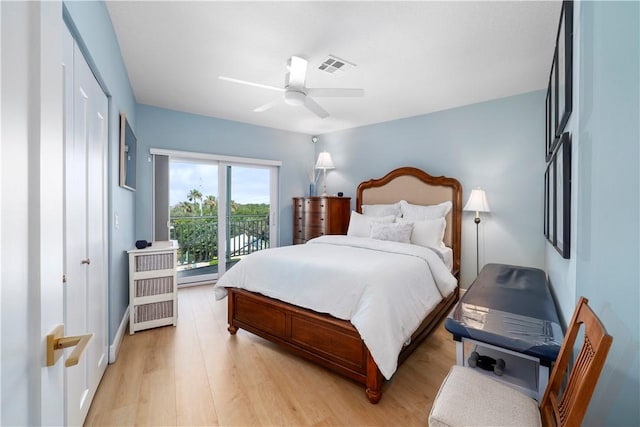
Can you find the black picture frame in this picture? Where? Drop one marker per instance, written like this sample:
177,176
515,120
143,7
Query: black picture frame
559,99
563,61
549,205
547,134
551,112
547,198
557,203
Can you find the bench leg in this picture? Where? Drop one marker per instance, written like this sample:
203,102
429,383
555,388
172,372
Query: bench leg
460,353
543,380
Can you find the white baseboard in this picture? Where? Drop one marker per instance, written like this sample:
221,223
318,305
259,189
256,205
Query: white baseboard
115,347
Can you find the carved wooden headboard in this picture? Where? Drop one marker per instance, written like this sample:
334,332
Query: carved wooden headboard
419,188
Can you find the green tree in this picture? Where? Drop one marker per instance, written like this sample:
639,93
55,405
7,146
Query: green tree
234,207
195,196
198,236
211,203
181,209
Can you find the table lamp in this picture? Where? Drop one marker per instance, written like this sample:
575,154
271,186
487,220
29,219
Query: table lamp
324,162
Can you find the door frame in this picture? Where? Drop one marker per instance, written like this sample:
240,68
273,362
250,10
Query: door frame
50,201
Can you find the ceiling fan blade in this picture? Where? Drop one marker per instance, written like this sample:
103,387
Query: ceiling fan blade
268,105
297,72
244,82
335,92
315,108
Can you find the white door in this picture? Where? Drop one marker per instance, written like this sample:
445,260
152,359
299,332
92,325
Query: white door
86,109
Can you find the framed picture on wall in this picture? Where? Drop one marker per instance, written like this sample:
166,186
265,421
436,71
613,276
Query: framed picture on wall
552,110
547,132
557,203
546,202
549,203
128,154
558,102
563,59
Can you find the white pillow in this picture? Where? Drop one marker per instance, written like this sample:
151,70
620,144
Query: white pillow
382,210
392,232
360,225
418,212
429,233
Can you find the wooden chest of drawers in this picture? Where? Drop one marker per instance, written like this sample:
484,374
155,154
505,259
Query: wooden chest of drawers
317,216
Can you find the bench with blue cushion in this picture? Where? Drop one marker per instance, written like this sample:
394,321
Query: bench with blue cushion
509,307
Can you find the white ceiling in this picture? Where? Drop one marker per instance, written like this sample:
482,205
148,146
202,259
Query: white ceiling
412,58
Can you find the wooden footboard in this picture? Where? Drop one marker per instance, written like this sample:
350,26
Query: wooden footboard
323,339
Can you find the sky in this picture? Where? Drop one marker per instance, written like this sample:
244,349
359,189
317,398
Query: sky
248,185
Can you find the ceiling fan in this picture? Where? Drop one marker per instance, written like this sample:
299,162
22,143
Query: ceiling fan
295,92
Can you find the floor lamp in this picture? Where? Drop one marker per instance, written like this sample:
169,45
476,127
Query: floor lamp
477,202
324,162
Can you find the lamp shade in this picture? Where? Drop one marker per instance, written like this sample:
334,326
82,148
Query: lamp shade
324,161
477,202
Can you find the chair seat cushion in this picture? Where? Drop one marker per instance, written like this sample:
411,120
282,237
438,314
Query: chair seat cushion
470,398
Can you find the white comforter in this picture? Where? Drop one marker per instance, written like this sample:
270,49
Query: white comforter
384,288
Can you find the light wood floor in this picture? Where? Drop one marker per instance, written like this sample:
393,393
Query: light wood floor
198,374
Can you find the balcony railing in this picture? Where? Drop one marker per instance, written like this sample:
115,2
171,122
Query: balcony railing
198,237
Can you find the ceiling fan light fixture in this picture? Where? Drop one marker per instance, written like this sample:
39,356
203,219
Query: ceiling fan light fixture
296,93
294,98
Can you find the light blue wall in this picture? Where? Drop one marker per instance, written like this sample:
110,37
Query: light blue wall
95,32
161,128
496,145
606,136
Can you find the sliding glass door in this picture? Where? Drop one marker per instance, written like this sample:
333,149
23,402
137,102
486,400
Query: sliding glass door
220,210
193,218
247,212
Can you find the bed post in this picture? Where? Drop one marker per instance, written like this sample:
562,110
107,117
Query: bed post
231,311
374,380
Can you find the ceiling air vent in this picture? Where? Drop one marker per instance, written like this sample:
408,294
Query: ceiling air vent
335,66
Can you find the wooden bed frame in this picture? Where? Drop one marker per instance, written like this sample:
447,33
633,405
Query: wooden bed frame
335,343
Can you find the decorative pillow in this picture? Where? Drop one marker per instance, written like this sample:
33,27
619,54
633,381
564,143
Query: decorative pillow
382,210
360,225
392,232
418,212
429,233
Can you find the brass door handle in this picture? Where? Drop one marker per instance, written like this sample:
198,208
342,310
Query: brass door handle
56,341
85,261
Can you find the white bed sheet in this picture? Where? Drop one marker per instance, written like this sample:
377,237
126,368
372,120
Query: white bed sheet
384,288
447,255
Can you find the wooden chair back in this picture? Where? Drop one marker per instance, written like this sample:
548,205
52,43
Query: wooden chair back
567,406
